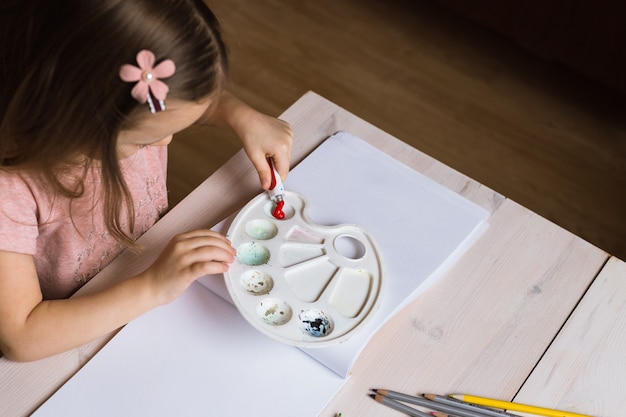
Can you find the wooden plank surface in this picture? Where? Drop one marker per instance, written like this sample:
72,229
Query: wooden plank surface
585,368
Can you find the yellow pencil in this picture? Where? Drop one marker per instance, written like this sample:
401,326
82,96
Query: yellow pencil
505,405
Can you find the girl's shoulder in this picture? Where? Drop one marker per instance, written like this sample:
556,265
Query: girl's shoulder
22,192
19,211
26,195
23,183
15,182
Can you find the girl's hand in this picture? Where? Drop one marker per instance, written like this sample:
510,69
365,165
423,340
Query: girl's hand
262,136
26,320
187,257
267,137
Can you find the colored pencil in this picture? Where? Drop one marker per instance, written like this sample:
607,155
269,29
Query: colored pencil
432,405
490,412
505,405
396,405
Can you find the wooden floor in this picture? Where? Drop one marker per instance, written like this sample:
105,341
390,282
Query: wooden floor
544,136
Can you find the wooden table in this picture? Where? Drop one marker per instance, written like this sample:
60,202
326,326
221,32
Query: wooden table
531,313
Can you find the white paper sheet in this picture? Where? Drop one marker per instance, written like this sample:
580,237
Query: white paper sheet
198,356
420,226
194,357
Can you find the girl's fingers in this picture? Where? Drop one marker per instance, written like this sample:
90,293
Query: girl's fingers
203,254
208,268
259,161
201,233
203,246
282,166
199,238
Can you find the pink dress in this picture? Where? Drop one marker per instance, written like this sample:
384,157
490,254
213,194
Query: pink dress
68,238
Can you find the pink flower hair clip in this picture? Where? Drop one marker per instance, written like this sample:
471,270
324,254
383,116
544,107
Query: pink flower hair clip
149,87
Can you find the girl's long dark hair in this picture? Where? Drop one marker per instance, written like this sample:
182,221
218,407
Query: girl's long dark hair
61,94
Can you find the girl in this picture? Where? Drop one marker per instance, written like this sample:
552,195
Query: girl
91,90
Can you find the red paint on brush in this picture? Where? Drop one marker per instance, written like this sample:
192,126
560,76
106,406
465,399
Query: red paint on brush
278,210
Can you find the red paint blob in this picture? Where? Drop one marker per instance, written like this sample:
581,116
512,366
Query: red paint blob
278,210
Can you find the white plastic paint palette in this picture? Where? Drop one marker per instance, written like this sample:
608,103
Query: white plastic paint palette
300,283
